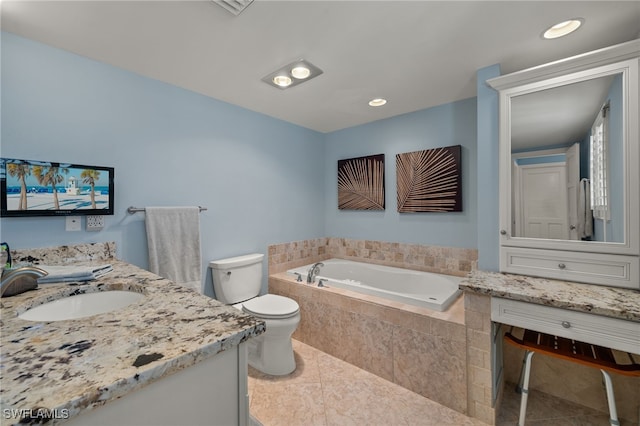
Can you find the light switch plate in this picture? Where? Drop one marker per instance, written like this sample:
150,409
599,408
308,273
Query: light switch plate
73,223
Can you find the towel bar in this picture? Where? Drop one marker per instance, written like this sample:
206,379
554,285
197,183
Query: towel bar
132,210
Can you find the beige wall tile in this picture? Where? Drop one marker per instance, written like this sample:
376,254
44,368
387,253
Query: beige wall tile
450,260
427,364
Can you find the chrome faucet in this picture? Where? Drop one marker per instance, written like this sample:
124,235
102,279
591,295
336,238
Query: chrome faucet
19,280
313,271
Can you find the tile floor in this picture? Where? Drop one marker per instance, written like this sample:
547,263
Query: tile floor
327,391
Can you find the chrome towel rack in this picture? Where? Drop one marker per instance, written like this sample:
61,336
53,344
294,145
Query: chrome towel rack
132,210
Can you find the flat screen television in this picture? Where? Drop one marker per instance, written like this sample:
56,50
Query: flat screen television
42,188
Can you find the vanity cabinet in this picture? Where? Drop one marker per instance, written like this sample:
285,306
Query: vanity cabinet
581,326
569,180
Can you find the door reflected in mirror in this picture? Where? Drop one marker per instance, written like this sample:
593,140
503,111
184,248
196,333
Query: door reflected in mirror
567,148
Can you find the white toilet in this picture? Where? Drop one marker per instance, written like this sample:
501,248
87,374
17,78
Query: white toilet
237,282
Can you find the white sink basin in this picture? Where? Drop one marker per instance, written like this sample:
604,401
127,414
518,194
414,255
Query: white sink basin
81,305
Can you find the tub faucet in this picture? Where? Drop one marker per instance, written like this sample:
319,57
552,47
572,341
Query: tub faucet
19,280
311,275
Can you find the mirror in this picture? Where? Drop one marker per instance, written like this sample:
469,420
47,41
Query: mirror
567,145
569,154
568,168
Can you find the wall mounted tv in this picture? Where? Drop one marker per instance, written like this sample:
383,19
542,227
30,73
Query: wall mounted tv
41,188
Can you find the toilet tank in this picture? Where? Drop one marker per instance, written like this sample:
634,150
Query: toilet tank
237,279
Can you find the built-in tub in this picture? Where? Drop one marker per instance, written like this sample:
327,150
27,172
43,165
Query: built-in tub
424,289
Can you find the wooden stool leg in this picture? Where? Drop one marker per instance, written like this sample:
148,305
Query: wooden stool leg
525,386
613,413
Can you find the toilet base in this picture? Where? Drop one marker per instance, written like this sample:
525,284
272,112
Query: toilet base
272,352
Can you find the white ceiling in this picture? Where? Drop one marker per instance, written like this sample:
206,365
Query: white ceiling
558,116
417,54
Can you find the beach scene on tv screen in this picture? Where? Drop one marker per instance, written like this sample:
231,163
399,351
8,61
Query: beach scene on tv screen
45,186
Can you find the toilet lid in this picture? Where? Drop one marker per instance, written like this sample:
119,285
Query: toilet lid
271,306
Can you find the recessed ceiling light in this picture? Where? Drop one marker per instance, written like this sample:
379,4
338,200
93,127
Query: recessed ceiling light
301,72
282,80
563,28
377,102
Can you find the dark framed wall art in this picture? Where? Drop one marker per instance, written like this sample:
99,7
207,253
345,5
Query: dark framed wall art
430,180
361,183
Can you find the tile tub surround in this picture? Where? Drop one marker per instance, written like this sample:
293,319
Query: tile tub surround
80,364
563,379
417,348
441,260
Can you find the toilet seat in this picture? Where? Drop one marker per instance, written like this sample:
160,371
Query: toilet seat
271,306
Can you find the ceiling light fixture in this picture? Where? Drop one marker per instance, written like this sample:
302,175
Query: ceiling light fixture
301,72
563,28
292,74
282,80
377,102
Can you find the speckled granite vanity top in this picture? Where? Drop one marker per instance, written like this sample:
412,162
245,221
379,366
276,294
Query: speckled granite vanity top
71,365
600,300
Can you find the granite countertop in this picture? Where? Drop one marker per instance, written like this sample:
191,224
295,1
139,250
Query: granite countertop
600,300
69,366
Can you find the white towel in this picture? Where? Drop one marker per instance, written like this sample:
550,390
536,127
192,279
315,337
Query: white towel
173,237
61,274
585,216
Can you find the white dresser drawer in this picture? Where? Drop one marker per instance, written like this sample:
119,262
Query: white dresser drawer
596,329
603,269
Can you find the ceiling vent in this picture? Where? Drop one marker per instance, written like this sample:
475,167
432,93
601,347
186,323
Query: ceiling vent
233,6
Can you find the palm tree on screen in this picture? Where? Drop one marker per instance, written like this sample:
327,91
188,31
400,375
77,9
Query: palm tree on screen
90,176
50,176
21,171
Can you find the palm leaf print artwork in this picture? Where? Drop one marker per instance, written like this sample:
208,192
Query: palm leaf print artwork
361,183
430,180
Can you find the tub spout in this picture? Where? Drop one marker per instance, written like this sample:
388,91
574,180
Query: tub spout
313,271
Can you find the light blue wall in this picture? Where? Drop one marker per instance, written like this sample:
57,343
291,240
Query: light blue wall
488,178
169,146
558,158
444,125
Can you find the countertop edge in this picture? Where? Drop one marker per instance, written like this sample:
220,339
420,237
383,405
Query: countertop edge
146,377
598,300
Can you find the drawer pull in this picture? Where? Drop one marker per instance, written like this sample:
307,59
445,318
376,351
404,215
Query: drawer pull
503,232
561,265
566,324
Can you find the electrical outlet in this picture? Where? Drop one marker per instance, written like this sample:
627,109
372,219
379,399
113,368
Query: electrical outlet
73,223
95,223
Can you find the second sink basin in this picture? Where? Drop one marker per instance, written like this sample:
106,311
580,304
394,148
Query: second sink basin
81,305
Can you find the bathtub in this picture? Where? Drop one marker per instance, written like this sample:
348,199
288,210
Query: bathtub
424,289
